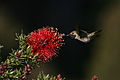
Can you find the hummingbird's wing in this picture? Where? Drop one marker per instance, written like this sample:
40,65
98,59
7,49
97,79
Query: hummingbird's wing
80,32
83,33
89,36
78,29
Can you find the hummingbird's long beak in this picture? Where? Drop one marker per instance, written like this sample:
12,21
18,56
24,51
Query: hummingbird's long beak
68,35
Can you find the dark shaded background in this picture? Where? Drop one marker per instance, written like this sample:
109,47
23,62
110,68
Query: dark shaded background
76,60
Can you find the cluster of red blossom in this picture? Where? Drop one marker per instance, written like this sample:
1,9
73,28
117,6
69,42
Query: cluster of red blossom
94,77
58,77
2,69
26,71
45,42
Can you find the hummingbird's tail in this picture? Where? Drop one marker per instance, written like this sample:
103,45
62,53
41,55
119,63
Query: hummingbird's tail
94,33
98,31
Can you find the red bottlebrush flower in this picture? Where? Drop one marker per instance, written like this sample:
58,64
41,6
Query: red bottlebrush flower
45,42
94,77
26,70
2,69
18,55
58,76
52,79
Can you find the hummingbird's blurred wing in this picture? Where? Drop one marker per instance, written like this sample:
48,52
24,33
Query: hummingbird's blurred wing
77,29
80,32
83,33
89,36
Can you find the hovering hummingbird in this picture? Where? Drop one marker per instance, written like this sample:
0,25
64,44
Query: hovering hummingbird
0,48
82,35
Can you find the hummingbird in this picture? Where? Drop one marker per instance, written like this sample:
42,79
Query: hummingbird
0,48
83,35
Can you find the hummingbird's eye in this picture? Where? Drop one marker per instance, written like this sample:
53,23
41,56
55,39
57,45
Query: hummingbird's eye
72,33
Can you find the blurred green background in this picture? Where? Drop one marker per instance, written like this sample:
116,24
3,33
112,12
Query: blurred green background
76,60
